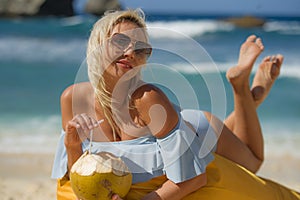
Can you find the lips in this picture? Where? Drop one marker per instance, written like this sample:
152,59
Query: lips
123,63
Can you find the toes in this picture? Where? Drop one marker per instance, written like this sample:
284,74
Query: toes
259,43
275,69
251,38
267,59
256,40
279,58
274,59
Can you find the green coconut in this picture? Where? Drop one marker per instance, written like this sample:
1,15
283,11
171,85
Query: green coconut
99,176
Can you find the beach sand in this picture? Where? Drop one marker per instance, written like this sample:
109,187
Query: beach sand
27,176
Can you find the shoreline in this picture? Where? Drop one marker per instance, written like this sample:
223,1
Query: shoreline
25,176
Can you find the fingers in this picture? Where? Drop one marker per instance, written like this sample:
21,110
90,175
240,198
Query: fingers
81,125
78,129
115,197
84,122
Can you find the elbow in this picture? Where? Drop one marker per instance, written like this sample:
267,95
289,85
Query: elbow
198,182
257,165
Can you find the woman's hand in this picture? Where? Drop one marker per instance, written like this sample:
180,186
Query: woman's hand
78,129
116,197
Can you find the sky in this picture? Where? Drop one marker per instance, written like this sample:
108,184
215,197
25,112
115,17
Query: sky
228,7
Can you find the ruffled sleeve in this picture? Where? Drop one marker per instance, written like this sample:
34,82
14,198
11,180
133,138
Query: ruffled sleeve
184,154
181,155
60,165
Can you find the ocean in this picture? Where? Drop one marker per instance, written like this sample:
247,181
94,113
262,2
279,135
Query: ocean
40,57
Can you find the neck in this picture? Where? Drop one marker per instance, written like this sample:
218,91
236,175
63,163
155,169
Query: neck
118,89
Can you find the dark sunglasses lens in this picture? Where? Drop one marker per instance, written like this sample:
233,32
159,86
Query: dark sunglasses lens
120,40
142,48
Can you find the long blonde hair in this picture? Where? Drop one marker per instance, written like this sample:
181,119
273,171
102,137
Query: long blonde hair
95,54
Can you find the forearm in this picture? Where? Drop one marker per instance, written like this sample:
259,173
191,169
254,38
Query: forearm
73,154
170,190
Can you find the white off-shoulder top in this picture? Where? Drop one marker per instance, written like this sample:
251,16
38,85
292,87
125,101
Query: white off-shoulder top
181,155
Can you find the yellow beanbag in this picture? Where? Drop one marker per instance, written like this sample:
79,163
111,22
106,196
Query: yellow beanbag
226,180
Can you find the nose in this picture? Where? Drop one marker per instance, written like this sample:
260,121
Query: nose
129,51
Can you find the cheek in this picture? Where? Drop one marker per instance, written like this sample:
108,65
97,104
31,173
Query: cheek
110,55
112,52
141,60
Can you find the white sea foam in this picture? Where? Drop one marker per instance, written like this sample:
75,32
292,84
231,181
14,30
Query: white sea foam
28,49
187,27
283,27
289,70
199,27
30,134
72,21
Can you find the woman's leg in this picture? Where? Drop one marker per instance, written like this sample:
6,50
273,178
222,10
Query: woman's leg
242,126
267,73
241,138
265,76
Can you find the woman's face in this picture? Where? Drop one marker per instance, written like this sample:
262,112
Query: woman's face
128,49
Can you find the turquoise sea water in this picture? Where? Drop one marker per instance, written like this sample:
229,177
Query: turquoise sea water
39,57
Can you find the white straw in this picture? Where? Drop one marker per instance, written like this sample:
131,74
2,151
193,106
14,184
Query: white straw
91,139
91,136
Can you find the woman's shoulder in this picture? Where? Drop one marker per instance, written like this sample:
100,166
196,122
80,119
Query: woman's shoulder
76,90
155,109
148,92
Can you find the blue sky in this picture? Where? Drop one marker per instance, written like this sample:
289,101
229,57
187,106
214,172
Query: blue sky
260,7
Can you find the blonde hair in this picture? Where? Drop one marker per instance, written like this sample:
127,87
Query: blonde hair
95,56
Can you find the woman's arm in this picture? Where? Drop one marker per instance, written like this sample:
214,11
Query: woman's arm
75,127
173,191
155,110
72,140
159,115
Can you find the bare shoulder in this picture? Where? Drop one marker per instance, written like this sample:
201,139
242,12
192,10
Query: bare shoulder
74,94
155,109
83,89
149,94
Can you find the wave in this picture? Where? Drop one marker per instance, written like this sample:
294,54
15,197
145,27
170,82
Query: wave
35,49
289,70
29,134
194,28
283,27
187,27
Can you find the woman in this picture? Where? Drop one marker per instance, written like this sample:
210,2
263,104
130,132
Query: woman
136,113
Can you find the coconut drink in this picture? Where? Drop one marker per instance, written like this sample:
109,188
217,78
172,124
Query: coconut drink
99,176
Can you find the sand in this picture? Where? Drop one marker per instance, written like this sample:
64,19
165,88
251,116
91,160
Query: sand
27,176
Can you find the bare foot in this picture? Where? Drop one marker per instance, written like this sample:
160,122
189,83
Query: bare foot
265,76
239,75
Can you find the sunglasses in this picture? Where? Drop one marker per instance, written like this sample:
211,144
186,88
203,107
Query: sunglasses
122,41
